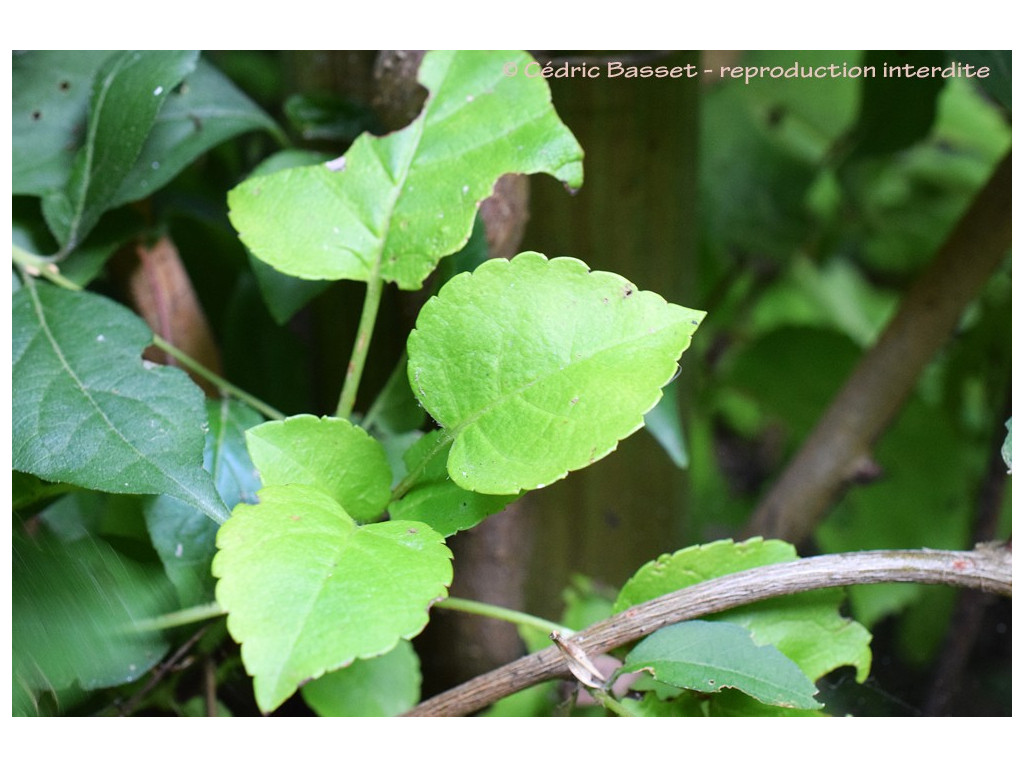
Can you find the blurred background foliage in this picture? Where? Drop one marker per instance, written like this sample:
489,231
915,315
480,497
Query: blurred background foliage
794,211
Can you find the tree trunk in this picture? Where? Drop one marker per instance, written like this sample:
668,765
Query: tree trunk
635,215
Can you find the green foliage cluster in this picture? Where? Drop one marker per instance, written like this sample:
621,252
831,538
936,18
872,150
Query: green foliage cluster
141,507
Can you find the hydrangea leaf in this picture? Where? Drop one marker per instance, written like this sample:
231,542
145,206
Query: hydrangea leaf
806,627
396,204
384,686
89,411
708,656
435,499
535,368
329,454
307,590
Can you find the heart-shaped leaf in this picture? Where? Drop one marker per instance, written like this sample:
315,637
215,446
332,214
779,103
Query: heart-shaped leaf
89,411
536,367
307,590
328,454
398,203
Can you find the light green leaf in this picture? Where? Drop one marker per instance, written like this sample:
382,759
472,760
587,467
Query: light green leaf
308,591
328,454
436,500
76,606
708,656
535,368
87,410
399,203
128,91
383,686
185,541
806,627
284,294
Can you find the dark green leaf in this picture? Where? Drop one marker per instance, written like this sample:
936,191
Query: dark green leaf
708,656
77,606
87,409
50,105
329,117
807,628
999,79
205,110
665,425
128,92
185,541
896,111
395,411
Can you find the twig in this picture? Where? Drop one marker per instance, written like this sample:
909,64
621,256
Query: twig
161,672
987,568
887,374
219,381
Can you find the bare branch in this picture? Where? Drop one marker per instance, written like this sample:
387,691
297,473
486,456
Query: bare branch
987,567
887,374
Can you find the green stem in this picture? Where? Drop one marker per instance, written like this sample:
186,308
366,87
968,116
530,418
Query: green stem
609,702
39,266
371,304
413,477
503,614
181,618
226,386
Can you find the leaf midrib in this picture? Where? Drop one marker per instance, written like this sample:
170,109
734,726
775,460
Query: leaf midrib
40,313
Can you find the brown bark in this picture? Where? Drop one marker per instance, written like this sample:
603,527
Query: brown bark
634,215
887,374
490,559
160,290
987,568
